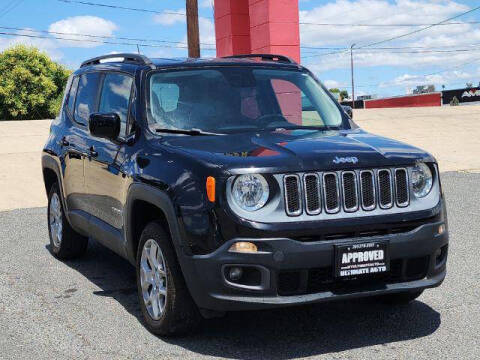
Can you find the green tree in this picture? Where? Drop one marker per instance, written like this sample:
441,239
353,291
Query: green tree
31,84
341,94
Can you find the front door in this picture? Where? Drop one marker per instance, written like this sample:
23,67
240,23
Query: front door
105,181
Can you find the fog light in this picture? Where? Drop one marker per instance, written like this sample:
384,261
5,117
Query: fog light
243,247
235,273
441,229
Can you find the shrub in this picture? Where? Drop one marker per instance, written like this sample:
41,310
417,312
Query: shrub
31,84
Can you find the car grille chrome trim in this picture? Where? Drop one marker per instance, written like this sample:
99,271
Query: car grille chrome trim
385,188
402,187
350,192
313,194
367,190
346,191
331,193
293,195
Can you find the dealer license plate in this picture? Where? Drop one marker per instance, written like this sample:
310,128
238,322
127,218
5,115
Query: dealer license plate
361,259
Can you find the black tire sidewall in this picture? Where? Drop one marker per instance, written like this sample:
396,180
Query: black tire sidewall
54,190
179,313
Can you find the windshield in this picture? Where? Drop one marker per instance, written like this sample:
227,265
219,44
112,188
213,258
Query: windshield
229,100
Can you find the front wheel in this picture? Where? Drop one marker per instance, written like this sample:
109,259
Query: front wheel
166,303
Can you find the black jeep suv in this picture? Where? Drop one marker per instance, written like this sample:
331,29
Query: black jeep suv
237,183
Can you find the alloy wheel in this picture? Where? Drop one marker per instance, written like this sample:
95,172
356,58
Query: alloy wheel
55,220
153,279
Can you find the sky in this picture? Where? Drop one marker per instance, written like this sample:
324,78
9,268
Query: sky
446,55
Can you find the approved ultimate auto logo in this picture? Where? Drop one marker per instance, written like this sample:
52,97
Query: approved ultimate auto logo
344,160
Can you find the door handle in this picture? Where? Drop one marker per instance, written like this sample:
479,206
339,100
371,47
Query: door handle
64,142
93,153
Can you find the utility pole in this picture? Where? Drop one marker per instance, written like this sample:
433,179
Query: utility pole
353,84
193,33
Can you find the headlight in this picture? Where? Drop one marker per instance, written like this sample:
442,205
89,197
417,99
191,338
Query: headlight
250,191
421,180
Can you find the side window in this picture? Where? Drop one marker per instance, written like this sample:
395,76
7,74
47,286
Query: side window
71,94
85,103
115,97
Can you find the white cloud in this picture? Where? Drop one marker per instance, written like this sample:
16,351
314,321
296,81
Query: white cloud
169,18
372,12
206,3
46,45
207,31
384,12
331,84
454,77
91,25
206,28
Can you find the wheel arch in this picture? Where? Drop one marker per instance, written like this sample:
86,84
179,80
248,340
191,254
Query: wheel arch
51,174
144,204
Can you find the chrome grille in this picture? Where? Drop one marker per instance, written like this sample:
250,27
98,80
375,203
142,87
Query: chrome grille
293,205
330,193
401,187
349,187
311,187
367,189
347,191
385,193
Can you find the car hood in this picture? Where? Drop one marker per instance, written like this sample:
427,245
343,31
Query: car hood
297,150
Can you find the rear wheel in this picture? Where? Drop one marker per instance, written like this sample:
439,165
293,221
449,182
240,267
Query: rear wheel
65,242
167,307
400,298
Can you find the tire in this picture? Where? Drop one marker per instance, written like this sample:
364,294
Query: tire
176,312
65,243
400,298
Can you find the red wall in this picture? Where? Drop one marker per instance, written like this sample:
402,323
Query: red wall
433,99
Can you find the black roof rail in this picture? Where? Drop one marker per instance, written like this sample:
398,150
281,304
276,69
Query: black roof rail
127,58
271,57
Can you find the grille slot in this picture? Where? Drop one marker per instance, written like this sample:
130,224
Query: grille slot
346,191
401,187
311,187
331,193
293,203
350,195
385,193
367,189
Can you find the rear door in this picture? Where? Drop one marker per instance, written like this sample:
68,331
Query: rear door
104,178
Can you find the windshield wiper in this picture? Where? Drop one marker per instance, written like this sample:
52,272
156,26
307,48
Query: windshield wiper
300,127
192,132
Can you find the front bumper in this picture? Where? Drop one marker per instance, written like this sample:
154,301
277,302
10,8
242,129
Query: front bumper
295,272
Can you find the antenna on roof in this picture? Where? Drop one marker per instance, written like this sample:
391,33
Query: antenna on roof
138,49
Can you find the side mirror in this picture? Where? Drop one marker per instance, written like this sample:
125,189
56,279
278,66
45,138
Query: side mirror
348,110
105,126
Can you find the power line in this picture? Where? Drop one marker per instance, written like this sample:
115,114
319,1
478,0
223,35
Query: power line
122,7
92,41
406,34
389,25
425,75
97,36
422,29
9,7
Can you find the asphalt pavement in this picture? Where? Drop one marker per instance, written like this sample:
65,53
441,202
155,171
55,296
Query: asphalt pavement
88,308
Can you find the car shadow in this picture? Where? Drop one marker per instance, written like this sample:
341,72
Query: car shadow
281,333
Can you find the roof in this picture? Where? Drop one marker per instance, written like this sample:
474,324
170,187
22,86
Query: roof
193,62
130,62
